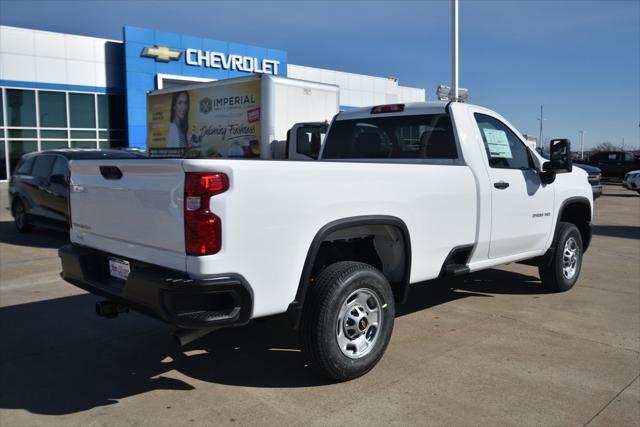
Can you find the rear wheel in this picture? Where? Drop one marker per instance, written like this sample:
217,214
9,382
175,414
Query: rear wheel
348,320
20,217
560,271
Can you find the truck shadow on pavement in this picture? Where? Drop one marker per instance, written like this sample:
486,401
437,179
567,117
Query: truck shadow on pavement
624,231
38,238
59,358
621,195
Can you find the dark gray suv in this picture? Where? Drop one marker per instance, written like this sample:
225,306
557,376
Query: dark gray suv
39,186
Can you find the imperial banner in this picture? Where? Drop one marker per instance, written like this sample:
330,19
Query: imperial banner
215,121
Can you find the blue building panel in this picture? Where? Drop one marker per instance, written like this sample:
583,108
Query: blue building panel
215,45
137,136
140,35
190,42
167,39
134,49
141,72
138,116
191,70
172,67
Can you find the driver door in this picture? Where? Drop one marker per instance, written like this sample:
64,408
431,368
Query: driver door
521,205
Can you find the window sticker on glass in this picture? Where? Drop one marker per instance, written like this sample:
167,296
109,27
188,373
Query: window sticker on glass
498,143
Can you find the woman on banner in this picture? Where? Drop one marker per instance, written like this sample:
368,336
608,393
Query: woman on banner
177,137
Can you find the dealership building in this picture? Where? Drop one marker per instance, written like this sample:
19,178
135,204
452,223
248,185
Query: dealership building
65,90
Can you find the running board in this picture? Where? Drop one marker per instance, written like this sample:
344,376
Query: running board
456,262
456,270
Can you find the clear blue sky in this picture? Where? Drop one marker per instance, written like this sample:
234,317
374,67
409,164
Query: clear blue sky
580,59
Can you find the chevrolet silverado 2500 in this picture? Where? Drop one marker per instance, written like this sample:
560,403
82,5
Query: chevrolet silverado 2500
401,194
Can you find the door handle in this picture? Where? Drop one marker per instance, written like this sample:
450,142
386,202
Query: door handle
501,185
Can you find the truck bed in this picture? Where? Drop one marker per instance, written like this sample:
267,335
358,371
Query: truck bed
270,214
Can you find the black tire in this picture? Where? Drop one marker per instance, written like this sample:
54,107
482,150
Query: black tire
20,217
321,322
556,268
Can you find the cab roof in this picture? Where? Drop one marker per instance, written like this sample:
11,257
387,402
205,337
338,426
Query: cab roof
410,108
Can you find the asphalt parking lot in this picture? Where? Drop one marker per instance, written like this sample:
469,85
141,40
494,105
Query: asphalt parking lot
492,348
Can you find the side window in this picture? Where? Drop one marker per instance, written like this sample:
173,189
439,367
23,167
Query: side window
60,166
628,157
42,166
25,165
504,148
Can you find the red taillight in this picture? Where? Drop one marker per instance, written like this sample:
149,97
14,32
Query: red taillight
202,228
390,108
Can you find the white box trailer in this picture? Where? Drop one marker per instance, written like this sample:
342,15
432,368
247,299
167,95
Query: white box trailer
236,118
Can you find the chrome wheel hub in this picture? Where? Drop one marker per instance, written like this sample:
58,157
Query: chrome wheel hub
359,321
570,255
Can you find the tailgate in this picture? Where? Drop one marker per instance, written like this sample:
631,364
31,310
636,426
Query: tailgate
138,215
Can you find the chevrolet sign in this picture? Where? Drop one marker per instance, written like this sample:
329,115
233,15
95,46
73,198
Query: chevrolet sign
162,53
223,61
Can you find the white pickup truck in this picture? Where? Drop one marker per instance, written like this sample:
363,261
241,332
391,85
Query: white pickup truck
401,194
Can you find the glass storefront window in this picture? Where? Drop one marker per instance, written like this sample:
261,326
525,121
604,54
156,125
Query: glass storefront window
53,134
83,144
83,134
53,109
111,134
52,145
17,149
110,112
54,119
82,110
22,133
21,108
3,161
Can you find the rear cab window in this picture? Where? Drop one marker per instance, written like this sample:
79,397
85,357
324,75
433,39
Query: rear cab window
424,136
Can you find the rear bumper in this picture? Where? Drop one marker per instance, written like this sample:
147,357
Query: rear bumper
169,295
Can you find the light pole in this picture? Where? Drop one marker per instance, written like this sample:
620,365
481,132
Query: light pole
454,49
581,145
541,118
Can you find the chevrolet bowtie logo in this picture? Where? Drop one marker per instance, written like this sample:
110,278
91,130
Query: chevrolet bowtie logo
162,53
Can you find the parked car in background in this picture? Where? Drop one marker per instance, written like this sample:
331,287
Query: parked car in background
631,181
594,174
39,187
614,164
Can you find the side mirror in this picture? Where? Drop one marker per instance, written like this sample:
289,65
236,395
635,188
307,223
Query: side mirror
560,155
548,174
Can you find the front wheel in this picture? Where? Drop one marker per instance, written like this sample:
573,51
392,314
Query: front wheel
348,320
560,271
20,217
